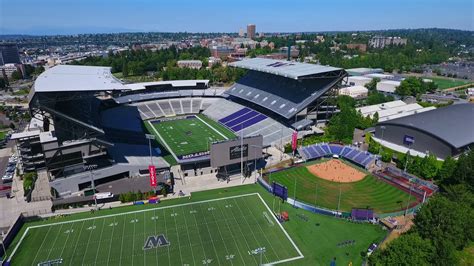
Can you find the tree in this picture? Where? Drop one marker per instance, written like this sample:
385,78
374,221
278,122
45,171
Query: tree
16,75
447,169
372,85
3,84
409,249
464,173
125,69
429,167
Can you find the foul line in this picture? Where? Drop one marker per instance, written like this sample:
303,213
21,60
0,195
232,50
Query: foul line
125,213
218,132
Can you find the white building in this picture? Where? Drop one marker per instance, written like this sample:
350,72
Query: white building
8,69
392,110
358,80
388,86
196,64
381,41
356,92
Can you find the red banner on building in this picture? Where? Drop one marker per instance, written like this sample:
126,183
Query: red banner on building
152,170
294,140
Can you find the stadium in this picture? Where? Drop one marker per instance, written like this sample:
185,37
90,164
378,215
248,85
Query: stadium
91,118
96,129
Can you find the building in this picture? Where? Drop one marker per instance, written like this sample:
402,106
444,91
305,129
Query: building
362,47
241,33
392,110
381,41
7,70
221,51
251,30
356,92
214,61
9,54
358,80
194,64
361,71
387,86
446,131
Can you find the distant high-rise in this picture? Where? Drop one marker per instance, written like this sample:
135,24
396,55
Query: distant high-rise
251,29
241,33
9,54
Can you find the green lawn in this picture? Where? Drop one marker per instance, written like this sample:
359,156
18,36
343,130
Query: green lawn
369,192
234,225
446,83
3,134
190,135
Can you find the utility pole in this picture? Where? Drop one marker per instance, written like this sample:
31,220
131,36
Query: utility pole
339,201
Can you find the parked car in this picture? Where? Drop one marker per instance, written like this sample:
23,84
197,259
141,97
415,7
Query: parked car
8,177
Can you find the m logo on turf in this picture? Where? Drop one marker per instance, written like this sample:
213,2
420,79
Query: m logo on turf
156,242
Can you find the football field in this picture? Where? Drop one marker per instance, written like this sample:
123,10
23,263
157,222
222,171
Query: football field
225,231
189,135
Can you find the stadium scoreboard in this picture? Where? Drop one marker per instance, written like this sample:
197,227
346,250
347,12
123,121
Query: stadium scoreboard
230,152
280,190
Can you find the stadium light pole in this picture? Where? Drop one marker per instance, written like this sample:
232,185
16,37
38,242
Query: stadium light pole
383,129
241,155
150,137
339,201
89,168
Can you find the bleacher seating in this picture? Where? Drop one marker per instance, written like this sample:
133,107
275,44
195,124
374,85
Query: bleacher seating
241,119
362,158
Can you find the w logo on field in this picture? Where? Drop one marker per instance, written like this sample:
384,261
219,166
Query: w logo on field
156,242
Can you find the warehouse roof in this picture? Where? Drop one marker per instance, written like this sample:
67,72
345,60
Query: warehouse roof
453,124
65,78
288,69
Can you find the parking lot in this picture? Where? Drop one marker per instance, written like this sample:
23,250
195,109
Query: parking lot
6,164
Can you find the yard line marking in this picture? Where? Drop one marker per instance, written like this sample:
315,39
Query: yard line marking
166,233
121,214
123,236
54,242
156,250
243,236
200,238
65,243
133,238
177,234
246,221
286,234
78,238
254,216
111,241
88,240
212,241
220,234
189,238
42,243
144,233
98,244
218,132
235,241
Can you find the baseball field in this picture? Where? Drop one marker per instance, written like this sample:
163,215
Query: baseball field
341,185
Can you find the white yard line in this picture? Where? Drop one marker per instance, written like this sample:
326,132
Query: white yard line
220,234
189,238
235,241
42,243
111,241
200,239
154,209
77,240
54,243
287,235
217,131
212,240
121,244
177,234
88,240
100,239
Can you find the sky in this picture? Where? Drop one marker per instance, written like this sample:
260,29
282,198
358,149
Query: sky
39,17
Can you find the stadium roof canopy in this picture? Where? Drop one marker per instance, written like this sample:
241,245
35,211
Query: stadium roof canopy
453,124
287,69
69,78
172,83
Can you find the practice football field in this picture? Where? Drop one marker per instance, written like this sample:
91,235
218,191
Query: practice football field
368,192
224,231
190,135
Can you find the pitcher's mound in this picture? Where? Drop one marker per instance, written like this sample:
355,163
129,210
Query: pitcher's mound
336,171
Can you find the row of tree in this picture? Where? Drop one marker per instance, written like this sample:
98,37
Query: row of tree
443,227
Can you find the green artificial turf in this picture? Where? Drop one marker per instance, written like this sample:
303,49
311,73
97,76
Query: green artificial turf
317,236
446,83
190,135
369,192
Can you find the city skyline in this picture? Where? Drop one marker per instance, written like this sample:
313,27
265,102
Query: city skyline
55,17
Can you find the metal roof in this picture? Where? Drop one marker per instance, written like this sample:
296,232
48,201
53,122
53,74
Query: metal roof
65,78
288,69
173,83
453,124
